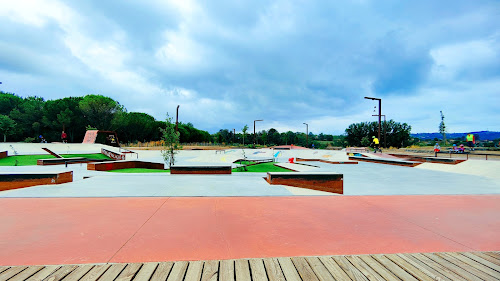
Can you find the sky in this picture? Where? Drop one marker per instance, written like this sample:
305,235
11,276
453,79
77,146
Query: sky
228,63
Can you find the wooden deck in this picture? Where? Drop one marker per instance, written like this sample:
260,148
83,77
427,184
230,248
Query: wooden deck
423,266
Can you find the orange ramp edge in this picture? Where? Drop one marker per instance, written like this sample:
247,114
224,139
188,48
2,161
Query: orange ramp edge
98,230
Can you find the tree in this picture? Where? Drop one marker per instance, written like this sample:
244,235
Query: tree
100,110
171,142
442,127
6,126
244,130
398,135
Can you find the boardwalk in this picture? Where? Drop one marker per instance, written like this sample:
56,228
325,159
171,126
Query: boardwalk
420,266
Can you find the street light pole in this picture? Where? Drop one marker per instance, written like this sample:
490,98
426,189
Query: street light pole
177,120
307,134
379,113
254,135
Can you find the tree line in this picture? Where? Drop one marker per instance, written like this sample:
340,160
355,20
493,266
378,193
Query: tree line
25,119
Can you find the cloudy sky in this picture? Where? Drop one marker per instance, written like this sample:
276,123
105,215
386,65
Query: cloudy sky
227,63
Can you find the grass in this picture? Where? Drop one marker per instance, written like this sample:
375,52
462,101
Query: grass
139,170
263,168
30,160
245,162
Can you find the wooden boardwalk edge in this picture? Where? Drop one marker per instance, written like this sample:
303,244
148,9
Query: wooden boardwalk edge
427,266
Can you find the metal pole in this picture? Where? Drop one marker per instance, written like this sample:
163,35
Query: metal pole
234,134
379,116
177,120
254,135
307,134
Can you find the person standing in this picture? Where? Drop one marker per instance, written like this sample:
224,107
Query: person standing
376,144
64,137
471,141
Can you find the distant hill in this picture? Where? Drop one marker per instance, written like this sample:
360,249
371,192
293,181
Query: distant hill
482,135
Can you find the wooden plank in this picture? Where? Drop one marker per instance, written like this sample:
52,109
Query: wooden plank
25,274
423,267
226,270
439,267
162,271
304,269
465,266
289,270
61,273
146,271
129,272
478,265
415,271
210,271
4,268
194,270
352,271
9,273
112,272
178,271
96,272
42,274
484,259
79,272
377,267
319,269
273,270
257,269
367,271
334,269
495,255
450,266
394,268
242,270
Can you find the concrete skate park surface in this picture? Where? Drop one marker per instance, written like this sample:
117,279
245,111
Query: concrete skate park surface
469,177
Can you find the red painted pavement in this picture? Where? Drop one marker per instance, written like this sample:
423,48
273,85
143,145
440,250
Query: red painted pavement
98,230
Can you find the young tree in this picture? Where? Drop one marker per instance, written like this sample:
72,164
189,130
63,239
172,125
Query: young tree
244,130
171,142
442,127
6,126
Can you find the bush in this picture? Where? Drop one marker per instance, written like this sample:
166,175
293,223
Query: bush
29,140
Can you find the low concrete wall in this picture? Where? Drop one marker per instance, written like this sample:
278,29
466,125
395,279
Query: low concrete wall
201,170
116,165
386,161
20,180
325,161
430,159
72,160
322,181
3,154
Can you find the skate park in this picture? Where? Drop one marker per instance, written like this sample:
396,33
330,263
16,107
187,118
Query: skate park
386,213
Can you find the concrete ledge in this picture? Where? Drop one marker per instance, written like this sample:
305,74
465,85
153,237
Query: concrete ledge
112,155
116,165
201,170
386,161
325,161
3,154
72,160
430,159
20,180
322,181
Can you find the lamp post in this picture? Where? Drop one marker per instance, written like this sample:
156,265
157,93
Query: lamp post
254,135
307,134
379,112
234,134
177,120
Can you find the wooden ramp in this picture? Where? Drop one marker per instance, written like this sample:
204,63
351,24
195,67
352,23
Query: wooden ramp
420,266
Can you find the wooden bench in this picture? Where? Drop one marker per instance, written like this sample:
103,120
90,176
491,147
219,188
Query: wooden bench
116,165
322,181
20,180
387,161
201,169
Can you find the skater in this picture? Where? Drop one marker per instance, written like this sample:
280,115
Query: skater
64,137
471,141
376,145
